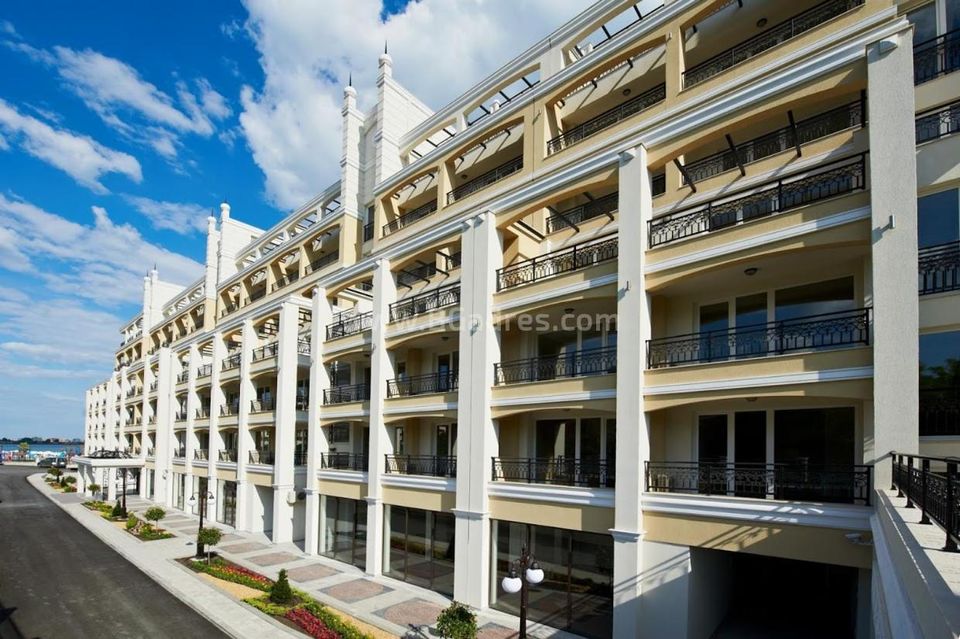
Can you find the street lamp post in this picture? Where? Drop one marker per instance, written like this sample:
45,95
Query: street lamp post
206,498
512,583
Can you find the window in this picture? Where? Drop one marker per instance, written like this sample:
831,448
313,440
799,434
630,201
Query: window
938,218
924,21
338,433
345,531
421,547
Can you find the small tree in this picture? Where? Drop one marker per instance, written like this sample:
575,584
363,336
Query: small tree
132,521
55,473
93,488
24,449
280,591
207,537
457,622
118,511
155,514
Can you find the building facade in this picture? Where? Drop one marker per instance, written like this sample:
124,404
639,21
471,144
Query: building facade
447,356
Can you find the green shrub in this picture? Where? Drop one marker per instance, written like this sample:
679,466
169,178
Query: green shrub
93,488
457,622
155,514
149,533
55,472
132,521
118,511
70,480
280,592
69,489
263,604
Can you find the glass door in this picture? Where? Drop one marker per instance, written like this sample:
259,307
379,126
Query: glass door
712,454
230,503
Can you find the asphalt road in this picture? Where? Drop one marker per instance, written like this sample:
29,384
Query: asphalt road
59,580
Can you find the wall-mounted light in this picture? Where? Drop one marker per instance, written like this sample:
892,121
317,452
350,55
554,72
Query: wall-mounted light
627,91
761,23
750,272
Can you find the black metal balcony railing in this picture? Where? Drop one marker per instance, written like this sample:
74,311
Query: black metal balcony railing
940,411
180,416
303,403
258,294
799,189
204,412
849,484
423,384
596,361
200,454
786,30
349,324
490,177
368,231
939,268
300,458
561,471
265,352
264,457
575,258
410,217
205,371
787,138
936,57
325,260
179,453
827,330
931,484
151,452
133,392
303,347
345,394
153,386
428,465
233,361
286,280
608,119
183,376
344,461
232,408
229,455
938,123
425,302
230,307
605,205
409,277
262,405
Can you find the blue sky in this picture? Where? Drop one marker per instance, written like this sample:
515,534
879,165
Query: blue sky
122,128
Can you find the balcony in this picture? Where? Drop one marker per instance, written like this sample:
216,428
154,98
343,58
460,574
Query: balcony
286,280
348,323
557,471
181,416
794,481
151,452
799,189
262,457
231,362
265,352
179,453
262,405
183,376
422,384
788,138
940,412
939,268
490,177
205,371
230,409
303,347
596,361
153,386
303,403
200,454
570,218
230,307
932,485
346,394
814,332
425,302
258,294
786,30
936,57
344,461
229,455
133,392
938,123
325,260
608,119
425,465
410,217
203,413
555,263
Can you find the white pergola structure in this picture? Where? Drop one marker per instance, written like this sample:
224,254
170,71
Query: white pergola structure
106,469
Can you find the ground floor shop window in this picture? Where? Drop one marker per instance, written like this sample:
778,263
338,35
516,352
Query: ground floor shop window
576,594
421,547
344,530
227,507
179,488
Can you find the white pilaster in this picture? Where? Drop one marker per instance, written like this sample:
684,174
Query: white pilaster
482,254
286,422
893,203
193,404
316,440
633,426
247,394
381,369
163,438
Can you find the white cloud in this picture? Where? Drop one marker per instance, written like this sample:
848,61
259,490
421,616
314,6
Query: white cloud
292,123
79,156
180,217
103,263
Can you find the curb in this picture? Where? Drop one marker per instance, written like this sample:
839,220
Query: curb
171,588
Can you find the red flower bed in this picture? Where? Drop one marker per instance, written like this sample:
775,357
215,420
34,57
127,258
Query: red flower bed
310,624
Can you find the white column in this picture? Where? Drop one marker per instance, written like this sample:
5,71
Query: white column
247,394
163,438
482,254
285,421
633,422
193,403
316,440
217,401
893,203
381,369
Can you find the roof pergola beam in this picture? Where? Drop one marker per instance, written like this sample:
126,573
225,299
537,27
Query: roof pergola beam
736,156
686,174
568,221
796,135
